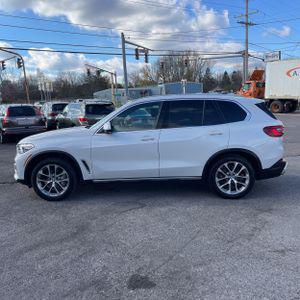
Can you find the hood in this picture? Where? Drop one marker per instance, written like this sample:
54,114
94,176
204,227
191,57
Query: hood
57,135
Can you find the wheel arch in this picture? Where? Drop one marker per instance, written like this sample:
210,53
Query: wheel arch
249,155
47,154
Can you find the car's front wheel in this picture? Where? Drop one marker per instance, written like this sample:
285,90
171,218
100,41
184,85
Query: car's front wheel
53,179
232,177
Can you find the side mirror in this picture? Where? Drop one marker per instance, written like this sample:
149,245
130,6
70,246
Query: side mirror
107,128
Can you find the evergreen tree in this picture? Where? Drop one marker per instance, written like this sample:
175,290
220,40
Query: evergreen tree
225,82
209,82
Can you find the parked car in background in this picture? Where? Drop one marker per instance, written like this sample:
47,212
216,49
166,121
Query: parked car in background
51,110
227,141
20,119
84,113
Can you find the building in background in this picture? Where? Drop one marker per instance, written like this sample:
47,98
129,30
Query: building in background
161,89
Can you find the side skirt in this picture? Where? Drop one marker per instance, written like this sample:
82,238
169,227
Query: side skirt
148,178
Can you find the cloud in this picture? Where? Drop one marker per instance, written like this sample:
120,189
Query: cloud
160,22
285,31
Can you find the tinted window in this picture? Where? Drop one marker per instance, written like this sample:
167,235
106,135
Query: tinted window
186,113
140,117
58,107
21,111
212,115
99,109
264,108
232,111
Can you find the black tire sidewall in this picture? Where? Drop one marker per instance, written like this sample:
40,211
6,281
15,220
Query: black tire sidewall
212,183
68,168
280,104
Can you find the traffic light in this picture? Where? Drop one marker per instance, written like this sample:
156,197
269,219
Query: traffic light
88,72
137,54
146,57
3,65
161,64
19,63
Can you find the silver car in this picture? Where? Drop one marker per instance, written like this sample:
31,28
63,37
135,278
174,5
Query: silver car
20,119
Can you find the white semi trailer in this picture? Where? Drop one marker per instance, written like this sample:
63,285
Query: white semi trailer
282,90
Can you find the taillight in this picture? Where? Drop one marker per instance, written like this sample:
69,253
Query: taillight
52,114
82,119
274,131
5,119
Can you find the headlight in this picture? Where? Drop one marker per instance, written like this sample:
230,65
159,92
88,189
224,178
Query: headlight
22,148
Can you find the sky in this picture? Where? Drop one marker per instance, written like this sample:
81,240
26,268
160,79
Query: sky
96,25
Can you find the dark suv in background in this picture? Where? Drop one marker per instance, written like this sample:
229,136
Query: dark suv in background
84,113
51,110
20,119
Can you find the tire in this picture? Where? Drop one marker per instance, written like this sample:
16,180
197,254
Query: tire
294,106
288,106
67,184
238,187
276,107
3,138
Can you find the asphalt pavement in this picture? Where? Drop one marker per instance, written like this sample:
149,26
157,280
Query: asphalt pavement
153,240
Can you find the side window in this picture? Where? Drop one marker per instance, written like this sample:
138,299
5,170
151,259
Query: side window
185,113
212,115
232,111
140,117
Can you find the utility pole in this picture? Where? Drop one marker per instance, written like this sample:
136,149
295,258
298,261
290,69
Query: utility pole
124,67
246,51
24,70
139,48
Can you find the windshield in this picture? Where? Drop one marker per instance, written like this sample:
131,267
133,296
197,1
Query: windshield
58,107
246,87
21,111
99,109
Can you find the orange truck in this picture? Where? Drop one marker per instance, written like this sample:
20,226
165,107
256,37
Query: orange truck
279,85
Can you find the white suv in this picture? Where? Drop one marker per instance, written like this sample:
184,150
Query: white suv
226,140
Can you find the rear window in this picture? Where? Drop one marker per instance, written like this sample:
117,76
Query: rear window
21,111
97,109
264,108
231,111
58,107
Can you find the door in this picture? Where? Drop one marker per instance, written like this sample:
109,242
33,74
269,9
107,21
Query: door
193,130
131,150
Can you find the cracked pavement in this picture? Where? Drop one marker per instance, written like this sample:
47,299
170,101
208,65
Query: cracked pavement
153,240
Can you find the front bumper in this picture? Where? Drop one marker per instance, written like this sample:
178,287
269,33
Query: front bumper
276,170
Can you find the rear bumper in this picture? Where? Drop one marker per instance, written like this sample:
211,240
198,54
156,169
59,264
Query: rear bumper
21,131
276,170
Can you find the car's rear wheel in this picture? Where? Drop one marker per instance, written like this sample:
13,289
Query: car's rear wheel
3,138
232,177
53,179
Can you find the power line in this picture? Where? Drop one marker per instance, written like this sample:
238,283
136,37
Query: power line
66,22
59,31
109,47
58,44
111,53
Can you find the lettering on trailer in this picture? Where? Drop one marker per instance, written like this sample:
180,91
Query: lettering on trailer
294,73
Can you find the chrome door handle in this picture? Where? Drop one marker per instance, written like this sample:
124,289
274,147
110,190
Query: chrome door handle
216,133
146,139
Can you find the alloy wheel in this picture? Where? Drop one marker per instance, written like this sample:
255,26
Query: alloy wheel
52,180
232,178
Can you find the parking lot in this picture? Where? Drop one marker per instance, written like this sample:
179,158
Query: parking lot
153,240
